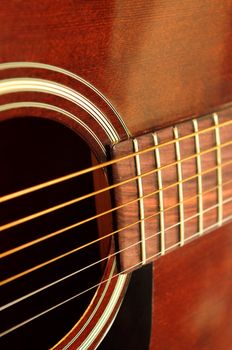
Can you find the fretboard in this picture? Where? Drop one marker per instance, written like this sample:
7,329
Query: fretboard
175,186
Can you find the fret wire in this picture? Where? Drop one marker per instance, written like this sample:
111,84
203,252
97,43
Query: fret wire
140,201
109,235
114,254
224,221
210,228
99,166
26,245
180,184
76,200
207,229
199,178
219,170
161,199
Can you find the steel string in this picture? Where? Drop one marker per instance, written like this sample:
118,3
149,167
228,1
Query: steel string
116,275
105,164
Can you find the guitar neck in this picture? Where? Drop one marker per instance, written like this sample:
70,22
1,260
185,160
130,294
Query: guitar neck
174,185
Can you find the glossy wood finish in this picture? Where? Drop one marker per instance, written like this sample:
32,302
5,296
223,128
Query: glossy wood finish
157,61
191,200
192,294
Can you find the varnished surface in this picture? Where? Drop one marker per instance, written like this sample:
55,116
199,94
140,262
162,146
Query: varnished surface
180,215
157,61
192,296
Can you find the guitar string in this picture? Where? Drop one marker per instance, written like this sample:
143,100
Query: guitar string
34,268
172,164
105,164
3,307
102,282
50,235
65,229
73,201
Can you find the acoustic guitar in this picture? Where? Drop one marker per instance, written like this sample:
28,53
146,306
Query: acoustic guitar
115,154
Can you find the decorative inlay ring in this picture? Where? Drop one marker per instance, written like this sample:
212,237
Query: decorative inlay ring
38,83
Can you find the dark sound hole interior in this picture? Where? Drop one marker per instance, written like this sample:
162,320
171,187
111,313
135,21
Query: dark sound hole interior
35,150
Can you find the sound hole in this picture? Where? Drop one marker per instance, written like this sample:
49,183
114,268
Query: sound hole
35,150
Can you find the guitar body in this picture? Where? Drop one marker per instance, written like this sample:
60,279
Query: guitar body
107,71
192,297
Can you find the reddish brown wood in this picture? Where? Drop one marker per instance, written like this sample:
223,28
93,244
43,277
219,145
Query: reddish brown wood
192,295
157,61
130,239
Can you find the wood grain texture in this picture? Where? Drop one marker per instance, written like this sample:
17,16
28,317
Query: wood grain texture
157,61
192,296
183,218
